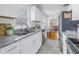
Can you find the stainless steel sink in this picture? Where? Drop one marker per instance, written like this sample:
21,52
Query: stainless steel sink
23,31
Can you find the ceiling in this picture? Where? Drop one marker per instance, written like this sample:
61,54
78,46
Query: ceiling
50,9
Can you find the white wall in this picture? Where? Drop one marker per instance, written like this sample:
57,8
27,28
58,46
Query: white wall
55,17
75,11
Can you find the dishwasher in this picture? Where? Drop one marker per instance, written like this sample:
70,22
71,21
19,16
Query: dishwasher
43,36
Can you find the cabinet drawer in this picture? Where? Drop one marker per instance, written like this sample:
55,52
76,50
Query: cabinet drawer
25,40
8,48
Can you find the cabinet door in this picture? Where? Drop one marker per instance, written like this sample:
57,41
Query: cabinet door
8,10
27,45
37,42
38,14
11,49
35,14
31,44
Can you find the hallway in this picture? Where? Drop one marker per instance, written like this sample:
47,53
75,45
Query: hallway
50,47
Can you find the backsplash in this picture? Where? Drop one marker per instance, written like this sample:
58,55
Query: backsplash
4,28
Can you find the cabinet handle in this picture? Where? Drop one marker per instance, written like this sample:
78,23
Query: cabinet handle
11,48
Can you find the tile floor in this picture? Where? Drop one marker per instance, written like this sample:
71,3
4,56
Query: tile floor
50,47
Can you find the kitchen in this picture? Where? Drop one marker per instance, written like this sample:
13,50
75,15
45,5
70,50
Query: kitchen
39,28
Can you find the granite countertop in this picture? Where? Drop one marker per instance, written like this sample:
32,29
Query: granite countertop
4,41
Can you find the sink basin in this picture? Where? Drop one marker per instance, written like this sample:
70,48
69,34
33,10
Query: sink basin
23,31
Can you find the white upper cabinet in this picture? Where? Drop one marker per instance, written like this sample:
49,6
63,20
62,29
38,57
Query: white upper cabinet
13,10
8,10
36,14
39,15
33,14
23,11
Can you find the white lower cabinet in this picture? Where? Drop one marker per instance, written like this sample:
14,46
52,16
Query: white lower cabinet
15,49
31,44
11,49
27,45
37,41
